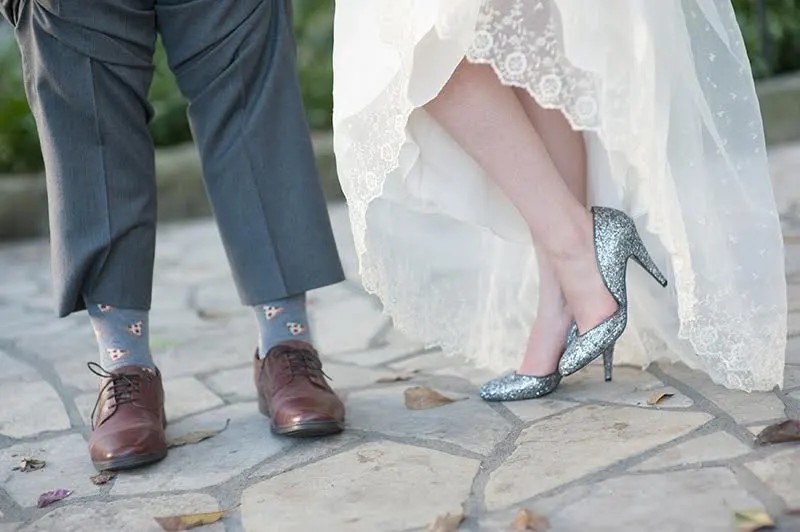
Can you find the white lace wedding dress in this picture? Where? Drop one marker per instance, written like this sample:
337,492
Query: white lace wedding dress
663,93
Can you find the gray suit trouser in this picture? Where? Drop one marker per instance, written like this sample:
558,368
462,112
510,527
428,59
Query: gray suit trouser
88,66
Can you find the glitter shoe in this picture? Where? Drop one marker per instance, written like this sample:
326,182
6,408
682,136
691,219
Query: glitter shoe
615,240
517,387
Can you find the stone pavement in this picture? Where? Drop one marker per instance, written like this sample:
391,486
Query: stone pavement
594,456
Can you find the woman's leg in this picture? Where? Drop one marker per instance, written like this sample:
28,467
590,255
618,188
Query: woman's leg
490,123
553,318
565,145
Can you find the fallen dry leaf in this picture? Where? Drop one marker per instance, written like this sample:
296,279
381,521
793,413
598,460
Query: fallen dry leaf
48,498
527,521
102,478
188,521
29,464
658,397
211,314
196,436
753,520
400,377
423,398
447,522
788,430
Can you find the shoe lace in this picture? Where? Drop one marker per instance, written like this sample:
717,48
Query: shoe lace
120,386
302,363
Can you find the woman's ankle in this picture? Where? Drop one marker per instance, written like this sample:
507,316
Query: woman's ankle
545,345
571,242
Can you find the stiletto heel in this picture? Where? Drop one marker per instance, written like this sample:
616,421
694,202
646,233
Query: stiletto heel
615,241
516,387
608,363
642,257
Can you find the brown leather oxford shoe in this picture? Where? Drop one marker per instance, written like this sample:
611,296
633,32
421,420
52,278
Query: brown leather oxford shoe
128,419
294,394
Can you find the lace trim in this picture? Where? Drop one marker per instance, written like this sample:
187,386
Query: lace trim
522,43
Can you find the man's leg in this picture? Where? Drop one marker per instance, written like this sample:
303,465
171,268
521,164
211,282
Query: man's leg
88,69
237,68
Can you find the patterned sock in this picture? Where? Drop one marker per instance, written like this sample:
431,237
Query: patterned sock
122,335
281,320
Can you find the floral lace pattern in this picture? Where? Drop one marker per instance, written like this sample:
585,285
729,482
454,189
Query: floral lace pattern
521,39
727,274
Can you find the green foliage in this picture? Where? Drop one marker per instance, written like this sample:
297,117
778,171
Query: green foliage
314,29
19,143
170,125
782,32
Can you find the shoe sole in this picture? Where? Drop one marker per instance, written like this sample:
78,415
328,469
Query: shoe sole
129,462
310,429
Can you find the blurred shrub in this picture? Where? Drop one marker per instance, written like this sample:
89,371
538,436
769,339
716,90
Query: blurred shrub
19,144
314,27
782,33
170,125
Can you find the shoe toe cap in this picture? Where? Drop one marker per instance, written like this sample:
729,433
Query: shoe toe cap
496,390
134,441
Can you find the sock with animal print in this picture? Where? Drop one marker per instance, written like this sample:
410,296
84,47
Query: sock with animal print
123,336
281,320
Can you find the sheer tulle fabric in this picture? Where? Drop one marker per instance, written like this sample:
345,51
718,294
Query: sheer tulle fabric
664,95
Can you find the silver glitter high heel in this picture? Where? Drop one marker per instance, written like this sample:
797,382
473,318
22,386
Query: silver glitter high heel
615,241
516,387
